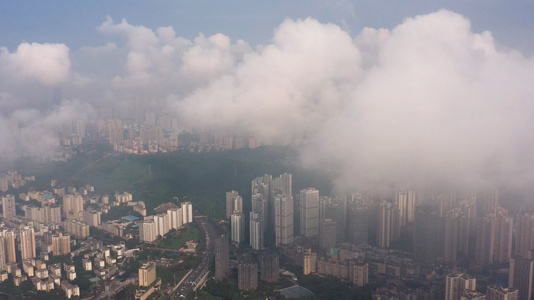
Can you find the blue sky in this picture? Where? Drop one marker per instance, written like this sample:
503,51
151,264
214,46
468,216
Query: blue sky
74,22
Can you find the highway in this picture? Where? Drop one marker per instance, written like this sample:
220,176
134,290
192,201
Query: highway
190,282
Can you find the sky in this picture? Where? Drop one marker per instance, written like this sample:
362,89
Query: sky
397,92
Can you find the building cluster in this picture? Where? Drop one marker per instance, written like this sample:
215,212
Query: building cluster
13,179
51,228
161,224
252,266
442,227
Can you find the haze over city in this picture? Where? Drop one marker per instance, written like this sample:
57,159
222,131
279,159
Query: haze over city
267,149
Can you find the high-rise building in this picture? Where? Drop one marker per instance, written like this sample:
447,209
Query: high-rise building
247,274
457,283
388,226
162,224
147,230
327,233
92,217
524,241
233,202
256,230
222,257
358,217
147,274
60,244
521,276
336,209
73,206
426,233
7,248
473,295
456,235
494,238
80,230
405,201
187,211
309,212
269,266
175,218
283,212
260,204
310,263
8,206
359,272
497,292
237,224
27,243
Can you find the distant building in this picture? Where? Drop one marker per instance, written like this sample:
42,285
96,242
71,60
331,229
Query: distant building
457,283
73,206
494,238
497,292
283,212
247,274
237,224
521,276
269,266
310,263
256,230
60,244
309,212
233,202
147,230
147,274
187,212
222,257
8,206
426,233
358,221
27,243
327,233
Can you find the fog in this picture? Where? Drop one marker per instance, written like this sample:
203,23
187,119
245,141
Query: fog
427,101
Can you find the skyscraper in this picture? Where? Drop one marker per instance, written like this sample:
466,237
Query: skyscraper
8,206
309,212
426,233
521,276
222,257
260,204
7,248
27,242
283,211
256,230
457,283
237,224
494,238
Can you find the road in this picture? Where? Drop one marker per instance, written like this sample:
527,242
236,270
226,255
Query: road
192,280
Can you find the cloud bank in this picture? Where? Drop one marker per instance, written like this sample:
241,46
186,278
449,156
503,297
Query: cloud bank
427,101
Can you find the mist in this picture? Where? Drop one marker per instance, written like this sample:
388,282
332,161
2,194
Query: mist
429,101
